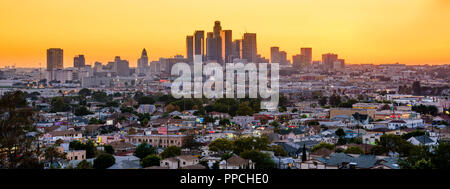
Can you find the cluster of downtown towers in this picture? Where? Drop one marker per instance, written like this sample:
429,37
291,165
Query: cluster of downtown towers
220,48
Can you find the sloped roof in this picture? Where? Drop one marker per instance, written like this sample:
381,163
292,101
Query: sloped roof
391,163
362,161
196,166
423,139
187,157
236,161
365,161
338,158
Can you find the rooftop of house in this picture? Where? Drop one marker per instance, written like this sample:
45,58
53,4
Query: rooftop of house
187,157
237,161
423,139
196,166
361,161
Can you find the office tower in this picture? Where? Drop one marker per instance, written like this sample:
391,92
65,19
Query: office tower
211,47
54,62
199,42
217,28
328,60
236,50
227,46
214,44
142,66
166,64
190,48
155,68
54,59
298,61
307,52
121,67
283,58
249,48
79,61
275,55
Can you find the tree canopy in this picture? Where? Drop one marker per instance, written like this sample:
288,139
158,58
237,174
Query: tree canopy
143,150
170,151
103,161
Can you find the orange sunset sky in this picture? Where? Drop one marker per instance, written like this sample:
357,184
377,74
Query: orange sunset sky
361,31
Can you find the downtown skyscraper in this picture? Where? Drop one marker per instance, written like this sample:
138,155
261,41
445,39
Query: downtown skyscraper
190,48
236,50
218,44
214,44
227,45
249,48
199,43
212,54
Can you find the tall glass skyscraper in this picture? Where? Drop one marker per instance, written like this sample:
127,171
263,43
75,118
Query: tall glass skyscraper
249,48
199,41
190,48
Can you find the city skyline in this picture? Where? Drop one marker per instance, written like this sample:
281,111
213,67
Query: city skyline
415,35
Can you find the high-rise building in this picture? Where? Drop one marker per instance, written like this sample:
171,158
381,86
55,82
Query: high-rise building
214,44
79,61
142,67
307,52
211,47
190,48
217,28
298,61
283,58
166,64
236,50
328,60
199,43
54,62
227,45
275,55
121,67
249,48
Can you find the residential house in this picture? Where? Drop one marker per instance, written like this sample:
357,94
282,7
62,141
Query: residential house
422,140
180,162
236,162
